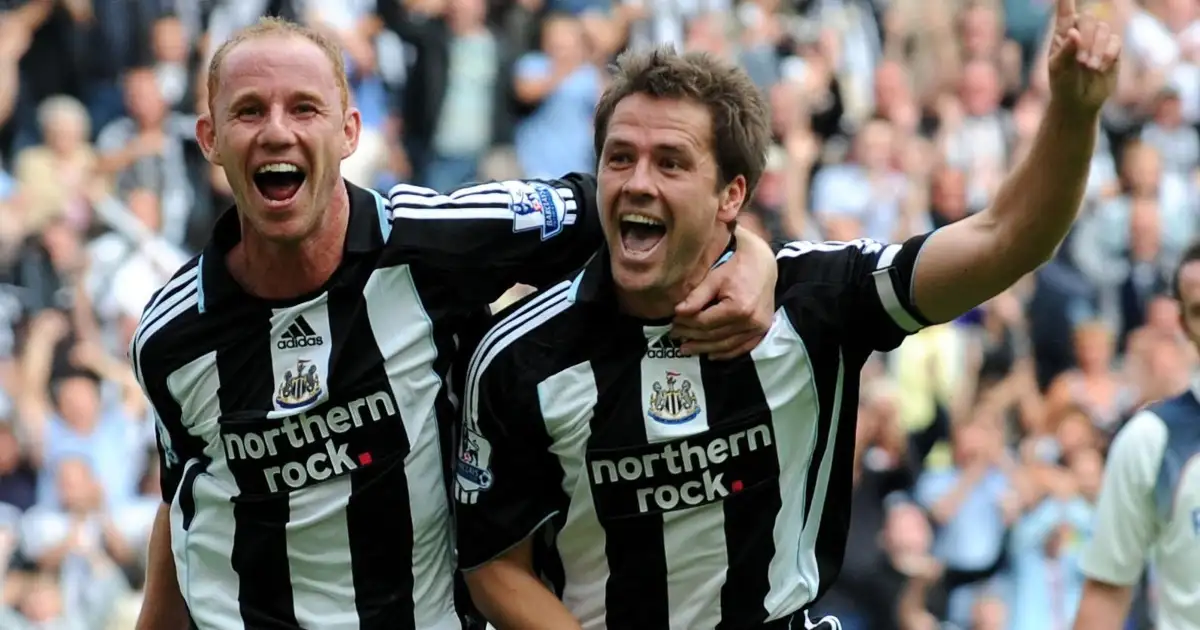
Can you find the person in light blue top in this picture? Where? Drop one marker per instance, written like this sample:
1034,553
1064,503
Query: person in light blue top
972,505
1045,546
101,437
563,88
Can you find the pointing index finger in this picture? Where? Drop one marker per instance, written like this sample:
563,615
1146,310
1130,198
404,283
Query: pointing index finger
1065,12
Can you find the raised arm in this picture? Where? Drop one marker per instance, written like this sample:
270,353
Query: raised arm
968,262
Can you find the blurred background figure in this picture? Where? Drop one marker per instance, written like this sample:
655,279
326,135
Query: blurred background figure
980,441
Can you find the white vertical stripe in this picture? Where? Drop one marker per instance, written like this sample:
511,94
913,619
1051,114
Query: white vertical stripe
812,522
318,544
403,332
204,551
317,533
682,374
308,352
697,562
694,538
568,400
785,372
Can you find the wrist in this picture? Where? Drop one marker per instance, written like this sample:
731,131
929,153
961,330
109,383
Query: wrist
1060,114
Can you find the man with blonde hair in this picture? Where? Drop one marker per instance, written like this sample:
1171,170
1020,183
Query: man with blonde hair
297,366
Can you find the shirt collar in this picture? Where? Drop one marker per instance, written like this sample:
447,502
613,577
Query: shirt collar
594,283
366,231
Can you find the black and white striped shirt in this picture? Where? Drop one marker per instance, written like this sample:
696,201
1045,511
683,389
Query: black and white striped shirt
301,440
674,491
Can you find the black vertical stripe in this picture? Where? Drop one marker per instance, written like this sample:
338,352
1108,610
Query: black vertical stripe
377,515
259,540
734,394
636,592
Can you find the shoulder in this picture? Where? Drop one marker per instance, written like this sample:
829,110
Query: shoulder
524,336
832,260
1144,437
169,308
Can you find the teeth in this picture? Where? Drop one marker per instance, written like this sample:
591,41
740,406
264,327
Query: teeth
641,219
278,167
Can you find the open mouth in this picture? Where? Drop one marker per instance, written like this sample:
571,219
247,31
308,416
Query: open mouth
279,182
640,233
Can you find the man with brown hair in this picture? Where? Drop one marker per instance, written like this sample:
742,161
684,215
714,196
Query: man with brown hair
297,366
660,490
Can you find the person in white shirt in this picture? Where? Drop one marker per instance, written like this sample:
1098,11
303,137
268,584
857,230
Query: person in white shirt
1149,505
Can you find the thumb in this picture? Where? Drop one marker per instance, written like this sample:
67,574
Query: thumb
699,298
1067,50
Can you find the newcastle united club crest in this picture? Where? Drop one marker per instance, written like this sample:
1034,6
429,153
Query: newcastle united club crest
300,388
675,402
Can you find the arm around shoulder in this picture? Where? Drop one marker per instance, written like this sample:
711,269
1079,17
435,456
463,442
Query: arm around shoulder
491,236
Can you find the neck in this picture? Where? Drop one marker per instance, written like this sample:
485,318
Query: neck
463,27
275,271
660,302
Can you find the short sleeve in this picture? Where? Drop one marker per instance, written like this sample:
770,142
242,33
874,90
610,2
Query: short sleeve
176,447
1125,515
864,285
505,483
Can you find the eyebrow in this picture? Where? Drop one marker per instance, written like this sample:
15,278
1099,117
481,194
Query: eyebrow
672,147
297,95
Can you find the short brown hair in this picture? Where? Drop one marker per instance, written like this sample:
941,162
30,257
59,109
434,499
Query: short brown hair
279,27
741,128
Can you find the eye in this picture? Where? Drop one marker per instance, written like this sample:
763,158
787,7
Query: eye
306,108
670,164
618,159
247,111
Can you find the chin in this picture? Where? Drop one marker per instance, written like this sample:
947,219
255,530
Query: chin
636,279
284,227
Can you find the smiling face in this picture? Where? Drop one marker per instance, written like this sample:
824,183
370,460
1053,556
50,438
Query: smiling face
279,129
666,214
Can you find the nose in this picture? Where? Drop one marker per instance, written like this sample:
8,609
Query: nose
276,133
641,184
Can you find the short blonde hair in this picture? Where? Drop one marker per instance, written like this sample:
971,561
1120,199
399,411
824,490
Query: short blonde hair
278,27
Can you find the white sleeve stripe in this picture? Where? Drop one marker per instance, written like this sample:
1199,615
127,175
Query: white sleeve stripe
887,256
171,286
190,300
490,199
452,213
891,302
485,201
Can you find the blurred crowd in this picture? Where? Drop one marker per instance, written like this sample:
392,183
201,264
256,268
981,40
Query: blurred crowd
981,442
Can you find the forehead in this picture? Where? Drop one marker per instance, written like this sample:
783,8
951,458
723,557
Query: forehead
275,63
647,122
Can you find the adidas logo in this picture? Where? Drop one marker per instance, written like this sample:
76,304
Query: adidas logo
663,348
299,335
